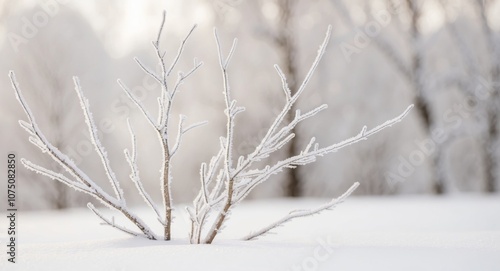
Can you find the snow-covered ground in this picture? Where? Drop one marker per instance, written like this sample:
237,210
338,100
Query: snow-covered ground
398,233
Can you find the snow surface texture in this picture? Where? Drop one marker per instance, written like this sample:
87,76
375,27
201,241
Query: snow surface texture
411,233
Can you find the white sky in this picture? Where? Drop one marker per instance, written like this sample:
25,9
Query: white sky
139,15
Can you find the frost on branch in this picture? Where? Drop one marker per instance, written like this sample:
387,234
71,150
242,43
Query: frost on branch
223,185
225,180
81,181
302,213
161,124
84,183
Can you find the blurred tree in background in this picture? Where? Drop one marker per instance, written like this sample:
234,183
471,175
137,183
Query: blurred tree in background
441,55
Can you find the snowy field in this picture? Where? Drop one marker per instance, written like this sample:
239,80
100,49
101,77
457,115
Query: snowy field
410,233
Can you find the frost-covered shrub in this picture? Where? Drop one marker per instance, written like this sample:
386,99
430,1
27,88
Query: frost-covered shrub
225,180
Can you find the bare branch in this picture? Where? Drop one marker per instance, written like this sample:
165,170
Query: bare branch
96,142
181,131
311,71
306,157
134,176
388,123
35,131
21,100
148,71
71,168
35,141
302,213
137,102
111,222
181,77
286,89
163,79
181,49
164,15
231,112
204,189
27,127
224,182
224,62
297,119
56,176
288,106
266,145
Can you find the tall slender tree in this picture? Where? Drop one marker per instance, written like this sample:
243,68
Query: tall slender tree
283,38
491,77
414,72
491,140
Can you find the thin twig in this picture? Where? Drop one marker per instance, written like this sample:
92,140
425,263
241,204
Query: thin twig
56,176
96,141
134,176
181,49
137,102
111,222
302,213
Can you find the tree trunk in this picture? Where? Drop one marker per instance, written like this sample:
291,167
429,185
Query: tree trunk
491,163
422,109
422,104
289,53
489,151
293,186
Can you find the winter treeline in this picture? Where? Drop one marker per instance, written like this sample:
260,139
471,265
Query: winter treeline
442,56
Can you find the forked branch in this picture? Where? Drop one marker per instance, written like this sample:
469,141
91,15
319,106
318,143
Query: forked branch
234,183
81,180
225,181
